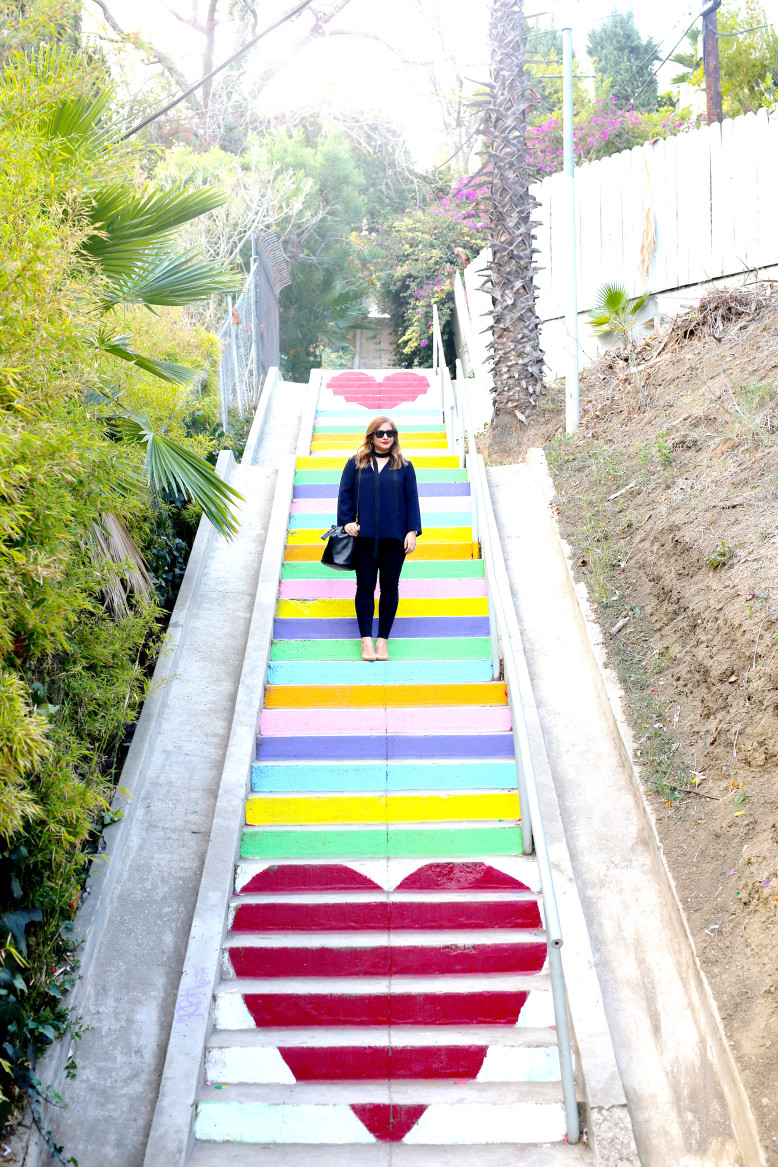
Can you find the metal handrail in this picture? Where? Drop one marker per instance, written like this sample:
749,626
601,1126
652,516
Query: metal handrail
506,636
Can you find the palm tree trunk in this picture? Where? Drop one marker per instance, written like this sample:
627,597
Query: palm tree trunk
515,345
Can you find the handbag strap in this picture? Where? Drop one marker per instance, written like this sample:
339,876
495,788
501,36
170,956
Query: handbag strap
396,492
359,483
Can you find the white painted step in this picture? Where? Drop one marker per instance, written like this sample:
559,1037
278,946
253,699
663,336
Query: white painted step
423,1091
465,1121
263,1065
388,873
387,1155
512,1037
444,983
230,1010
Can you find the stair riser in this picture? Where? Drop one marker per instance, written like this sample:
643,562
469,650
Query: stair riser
463,719
432,520
432,648
450,844
266,1065
372,673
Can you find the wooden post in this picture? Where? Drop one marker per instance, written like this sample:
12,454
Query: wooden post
710,61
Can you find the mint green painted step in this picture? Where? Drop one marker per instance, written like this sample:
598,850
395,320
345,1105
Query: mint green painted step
432,648
442,474
415,569
384,843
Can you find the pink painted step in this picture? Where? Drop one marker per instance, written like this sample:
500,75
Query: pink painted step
402,719
410,589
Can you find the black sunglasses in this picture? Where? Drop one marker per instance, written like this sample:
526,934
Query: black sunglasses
385,433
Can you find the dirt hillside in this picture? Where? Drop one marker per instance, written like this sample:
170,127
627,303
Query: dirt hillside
669,496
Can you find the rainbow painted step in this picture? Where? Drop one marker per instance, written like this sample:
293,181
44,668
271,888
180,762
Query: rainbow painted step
382,896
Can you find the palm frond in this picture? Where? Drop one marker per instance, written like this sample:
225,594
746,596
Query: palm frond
611,298
113,547
121,347
81,126
169,466
171,280
127,221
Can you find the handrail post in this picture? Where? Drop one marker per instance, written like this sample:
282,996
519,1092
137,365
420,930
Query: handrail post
563,1041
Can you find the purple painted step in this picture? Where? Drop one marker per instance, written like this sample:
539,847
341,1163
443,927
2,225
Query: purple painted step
379,748
346,628
426,489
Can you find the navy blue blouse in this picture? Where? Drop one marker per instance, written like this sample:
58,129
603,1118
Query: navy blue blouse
388,513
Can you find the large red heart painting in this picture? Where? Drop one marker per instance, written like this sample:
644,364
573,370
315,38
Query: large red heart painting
428,902
362,389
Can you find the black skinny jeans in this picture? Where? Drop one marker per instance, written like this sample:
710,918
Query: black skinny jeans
389,562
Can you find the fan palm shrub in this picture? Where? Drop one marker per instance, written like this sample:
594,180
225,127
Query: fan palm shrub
616,311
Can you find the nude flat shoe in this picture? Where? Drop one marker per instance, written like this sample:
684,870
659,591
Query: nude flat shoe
382,653
365,650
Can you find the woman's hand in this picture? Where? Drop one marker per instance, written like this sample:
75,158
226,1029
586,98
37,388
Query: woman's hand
352,529
410,543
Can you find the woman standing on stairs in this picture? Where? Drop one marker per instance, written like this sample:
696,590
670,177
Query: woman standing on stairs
378,504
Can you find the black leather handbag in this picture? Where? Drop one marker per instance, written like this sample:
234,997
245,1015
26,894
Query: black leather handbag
340,549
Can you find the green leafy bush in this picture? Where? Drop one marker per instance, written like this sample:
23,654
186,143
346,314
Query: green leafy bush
86,245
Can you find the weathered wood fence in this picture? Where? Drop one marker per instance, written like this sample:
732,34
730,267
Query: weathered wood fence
712,192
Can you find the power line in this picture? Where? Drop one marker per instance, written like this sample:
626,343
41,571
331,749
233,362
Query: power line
664,60
244,49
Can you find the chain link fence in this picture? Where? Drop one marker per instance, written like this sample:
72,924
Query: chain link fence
250,331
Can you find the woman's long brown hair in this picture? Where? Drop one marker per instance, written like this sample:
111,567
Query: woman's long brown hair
365,453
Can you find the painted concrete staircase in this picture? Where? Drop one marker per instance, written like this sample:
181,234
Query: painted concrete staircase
383,986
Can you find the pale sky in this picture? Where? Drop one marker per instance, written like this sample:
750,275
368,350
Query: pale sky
358,72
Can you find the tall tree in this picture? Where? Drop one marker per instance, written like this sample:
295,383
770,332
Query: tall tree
515,345
624,60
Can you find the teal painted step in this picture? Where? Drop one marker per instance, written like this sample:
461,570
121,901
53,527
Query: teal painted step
434,648
412,569
317,522
437,474
419,672
384,843
370,777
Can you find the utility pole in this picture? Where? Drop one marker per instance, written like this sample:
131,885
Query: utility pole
710,61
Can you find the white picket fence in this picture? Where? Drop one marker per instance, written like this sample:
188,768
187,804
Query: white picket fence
713,195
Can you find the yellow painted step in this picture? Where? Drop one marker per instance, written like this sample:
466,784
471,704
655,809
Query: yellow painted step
308,553
431,535
379,696
262,809
421,462
425,606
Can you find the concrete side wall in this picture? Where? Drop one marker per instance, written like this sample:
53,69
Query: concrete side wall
685,1100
